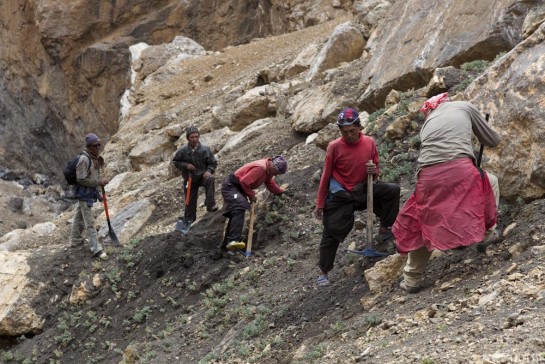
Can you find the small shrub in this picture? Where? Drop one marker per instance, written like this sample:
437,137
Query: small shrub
475,66
373,319
6,356
254,328
142,315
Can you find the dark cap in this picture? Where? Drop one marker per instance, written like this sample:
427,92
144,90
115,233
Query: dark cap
191,130
91,138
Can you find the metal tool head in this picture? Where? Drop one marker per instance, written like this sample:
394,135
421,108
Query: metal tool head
368,252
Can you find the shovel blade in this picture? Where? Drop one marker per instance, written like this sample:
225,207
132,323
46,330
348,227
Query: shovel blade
183,226
114,238
367,252
112,235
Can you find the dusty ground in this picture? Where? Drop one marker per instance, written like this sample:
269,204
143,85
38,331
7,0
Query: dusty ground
167,297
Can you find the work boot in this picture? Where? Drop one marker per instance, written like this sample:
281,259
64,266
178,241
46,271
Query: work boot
101,255
408,289
212,208
234,245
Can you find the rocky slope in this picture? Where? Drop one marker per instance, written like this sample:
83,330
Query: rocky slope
164,297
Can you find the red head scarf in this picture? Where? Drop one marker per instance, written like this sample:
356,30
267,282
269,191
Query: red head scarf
433,102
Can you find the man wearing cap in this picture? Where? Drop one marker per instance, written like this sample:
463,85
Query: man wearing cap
89,180
345,175
454,201
238,192
197,161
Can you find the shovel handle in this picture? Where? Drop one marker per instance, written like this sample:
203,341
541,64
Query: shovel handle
481,151
188,190
105,203
250,231
369,208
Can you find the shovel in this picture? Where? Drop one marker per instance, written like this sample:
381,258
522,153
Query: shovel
182,225
369,250
481,151
248,251
110,230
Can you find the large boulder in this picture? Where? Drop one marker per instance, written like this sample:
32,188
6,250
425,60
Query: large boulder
512,92
345,44
421,36
16,315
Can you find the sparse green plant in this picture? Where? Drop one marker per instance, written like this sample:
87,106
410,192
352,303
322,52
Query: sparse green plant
141,315
131,295
294,235
57,353
244,299
314,354
290,262
374,116
183,319
114,276
64,339
270,262
463,85
97,266
173,302
191,285
373,319
475,66
499,55
427,361
6,356
339,325
243,350
415,141
202,332
254,328
210,357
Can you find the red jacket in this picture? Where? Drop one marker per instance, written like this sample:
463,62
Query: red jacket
253,175
346,163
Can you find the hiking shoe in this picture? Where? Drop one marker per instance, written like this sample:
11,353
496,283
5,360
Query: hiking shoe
384,237
490,237
408,289
236,245
212,208
101,255
323,281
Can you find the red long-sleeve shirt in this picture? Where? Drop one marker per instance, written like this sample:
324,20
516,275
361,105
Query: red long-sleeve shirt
347,164
253,175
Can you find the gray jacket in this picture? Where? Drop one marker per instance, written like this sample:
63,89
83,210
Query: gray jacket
202,159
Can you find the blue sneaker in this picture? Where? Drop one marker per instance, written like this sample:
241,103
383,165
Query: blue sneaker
323,281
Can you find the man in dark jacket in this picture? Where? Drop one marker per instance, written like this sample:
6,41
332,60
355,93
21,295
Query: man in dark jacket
238,191
89,180
196,160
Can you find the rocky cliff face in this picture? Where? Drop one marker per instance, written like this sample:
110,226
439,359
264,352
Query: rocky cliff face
65,64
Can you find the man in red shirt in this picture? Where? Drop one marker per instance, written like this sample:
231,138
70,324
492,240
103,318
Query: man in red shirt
344,176
238,191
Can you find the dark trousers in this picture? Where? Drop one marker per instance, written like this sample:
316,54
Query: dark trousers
339,216
235,225
210,198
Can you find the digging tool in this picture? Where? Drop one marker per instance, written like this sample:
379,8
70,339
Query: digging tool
182,225
369,250
248,252
480,156
110,230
